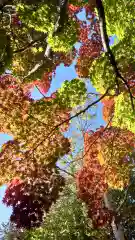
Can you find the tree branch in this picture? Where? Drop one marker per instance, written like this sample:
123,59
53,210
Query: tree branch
29,45
105,41
39,91
100,135
70,118
63,170
34,69
84,110
116,226
124,199
57,28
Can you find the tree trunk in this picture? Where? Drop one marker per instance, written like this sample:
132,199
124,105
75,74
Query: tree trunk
117,228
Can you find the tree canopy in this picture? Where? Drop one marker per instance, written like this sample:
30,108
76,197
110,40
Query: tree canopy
66,177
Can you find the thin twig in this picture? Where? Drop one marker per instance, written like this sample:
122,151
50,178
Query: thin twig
63,170
39,91
100,135
70,118
30,115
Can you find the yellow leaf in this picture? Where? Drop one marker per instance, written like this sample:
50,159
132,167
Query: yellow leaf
101,159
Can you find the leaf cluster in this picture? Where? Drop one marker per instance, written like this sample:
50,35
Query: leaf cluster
32,198
71,93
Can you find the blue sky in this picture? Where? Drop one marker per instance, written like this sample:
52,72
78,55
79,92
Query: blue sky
4,211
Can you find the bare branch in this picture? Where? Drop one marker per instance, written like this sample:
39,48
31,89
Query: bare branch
34,69
105,41
83,111
100,135
63,170
70,118
40,91
29,45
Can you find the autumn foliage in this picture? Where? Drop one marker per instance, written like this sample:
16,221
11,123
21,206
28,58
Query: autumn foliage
30,158
108,108
91,187
32,197
106,164
113,146
91,183
91,44
40,36
87,53
32,123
